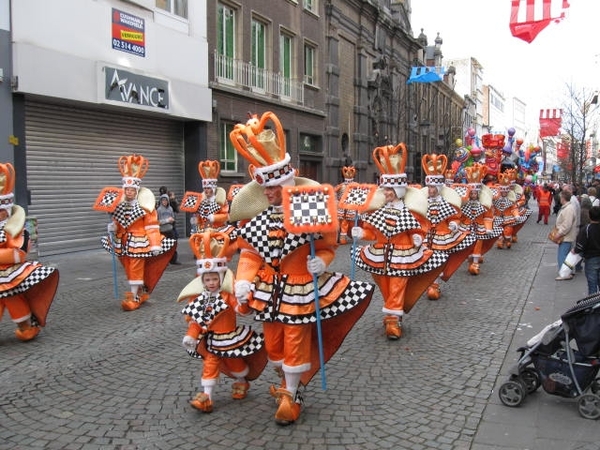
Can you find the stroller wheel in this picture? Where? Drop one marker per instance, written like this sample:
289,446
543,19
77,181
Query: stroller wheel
512,393
589,406
530,379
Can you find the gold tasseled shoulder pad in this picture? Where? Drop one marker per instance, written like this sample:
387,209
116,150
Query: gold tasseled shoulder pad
416,200
486,196
146,199
451,196
220,196
16,222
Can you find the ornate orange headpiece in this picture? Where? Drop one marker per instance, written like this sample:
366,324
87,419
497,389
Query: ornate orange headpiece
7,185
209,171
435,167
391,162
265,150
475,174
449,176
133,168
504,182
210,250
348,172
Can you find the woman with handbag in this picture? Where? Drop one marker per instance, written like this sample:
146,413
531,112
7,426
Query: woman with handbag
588,247
565,230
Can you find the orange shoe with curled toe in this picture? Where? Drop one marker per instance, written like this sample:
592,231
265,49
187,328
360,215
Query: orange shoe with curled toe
27,332
240,390
288,411
130,303
393,330
434,292
474,269
202,402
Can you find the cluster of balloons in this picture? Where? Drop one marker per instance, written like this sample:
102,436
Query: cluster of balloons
499,152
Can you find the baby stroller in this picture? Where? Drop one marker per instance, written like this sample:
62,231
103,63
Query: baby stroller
563,358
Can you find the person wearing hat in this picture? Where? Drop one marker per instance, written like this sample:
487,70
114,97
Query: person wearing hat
27,288
477,215
275,269
212,333
134,232
443,225
398,261
345,216
506,212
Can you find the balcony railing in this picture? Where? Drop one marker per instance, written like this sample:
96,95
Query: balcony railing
234,72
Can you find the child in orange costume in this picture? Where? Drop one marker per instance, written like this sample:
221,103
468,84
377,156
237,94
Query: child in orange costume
28,288
213,334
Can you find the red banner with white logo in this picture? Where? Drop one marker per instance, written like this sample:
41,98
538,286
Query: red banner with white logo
529,17
550,122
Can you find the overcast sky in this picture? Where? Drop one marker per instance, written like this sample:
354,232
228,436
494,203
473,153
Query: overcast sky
537,73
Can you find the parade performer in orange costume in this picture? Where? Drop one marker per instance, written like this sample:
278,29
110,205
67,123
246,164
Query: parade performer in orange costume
345,216
210,208
398,262
520,201
477,215
275,270
443,225
27,288
213,334
134,235
506,212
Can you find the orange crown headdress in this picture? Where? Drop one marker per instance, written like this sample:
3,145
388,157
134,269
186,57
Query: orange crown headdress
504,182
391,162
209,171
435,168
475,174
348,172
7,185
133,168
265,150
449,177
210,250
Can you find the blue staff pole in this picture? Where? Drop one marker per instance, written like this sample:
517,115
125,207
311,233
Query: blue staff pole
318,314
114,266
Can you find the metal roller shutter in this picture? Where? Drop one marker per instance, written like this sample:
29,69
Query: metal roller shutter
72,154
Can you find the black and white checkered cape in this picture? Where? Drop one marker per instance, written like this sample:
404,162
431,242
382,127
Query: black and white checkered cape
388,260
12,272
279,292
392,221
166,244
242,341
474,211
256,233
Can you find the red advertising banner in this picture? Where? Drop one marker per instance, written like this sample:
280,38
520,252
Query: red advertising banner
128,33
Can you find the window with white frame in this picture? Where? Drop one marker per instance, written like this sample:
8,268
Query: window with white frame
311,5
225,41
176,7
227,154
258,54
286,59
310,61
